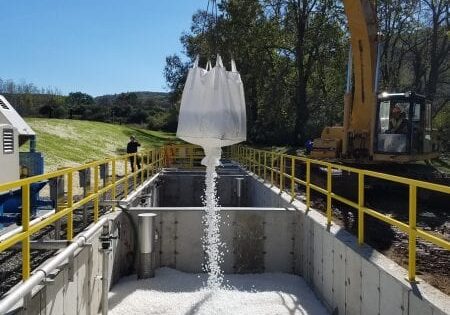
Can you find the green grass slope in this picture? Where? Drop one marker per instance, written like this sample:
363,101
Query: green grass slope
69,142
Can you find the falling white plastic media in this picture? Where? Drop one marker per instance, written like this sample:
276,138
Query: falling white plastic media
211,219
212,115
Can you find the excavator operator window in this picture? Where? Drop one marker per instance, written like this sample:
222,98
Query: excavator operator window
393,126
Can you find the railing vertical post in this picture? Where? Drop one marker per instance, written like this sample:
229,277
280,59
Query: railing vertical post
259,163
265,165
153,161
25,226
308,184
292,178
281,172
149,163
329,185
360,208
271,168
135,170
141,156
412,232
191,157
69,205
114,187
96,199
126,183
254,160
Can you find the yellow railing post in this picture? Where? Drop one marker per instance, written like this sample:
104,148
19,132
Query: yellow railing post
281,172
254,160
329,185
360,208
69,205
271,168
126,183
265,165
135,170
96,199
292,178
147,169
259,163
412,232
26,268
141,156
308,184
114,187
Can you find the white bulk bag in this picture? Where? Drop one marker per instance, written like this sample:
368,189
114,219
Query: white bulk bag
212,112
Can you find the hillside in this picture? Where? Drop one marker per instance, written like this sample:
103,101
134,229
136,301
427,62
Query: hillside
160,99
69,142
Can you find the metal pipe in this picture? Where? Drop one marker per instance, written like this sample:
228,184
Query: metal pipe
106,244
146,223
239,181
139,190
45,245
40,274
132,209
17,230
105,281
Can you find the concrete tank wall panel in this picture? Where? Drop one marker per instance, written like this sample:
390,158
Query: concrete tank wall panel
353,282
167,238
370,288
328,265
317,255
339,282
189,234
279,241
248,242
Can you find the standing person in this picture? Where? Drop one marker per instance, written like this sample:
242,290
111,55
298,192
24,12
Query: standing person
132,147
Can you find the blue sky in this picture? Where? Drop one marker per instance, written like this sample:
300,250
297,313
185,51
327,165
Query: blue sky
94,46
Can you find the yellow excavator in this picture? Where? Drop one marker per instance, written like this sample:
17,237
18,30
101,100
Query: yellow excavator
377,127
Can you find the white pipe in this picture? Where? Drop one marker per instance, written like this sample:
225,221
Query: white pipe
139,189
18,229
38,275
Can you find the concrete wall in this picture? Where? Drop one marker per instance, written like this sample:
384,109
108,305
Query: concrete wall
259,240
82,295
186,189
348,278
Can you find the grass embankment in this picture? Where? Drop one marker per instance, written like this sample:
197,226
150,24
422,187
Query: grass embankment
69,142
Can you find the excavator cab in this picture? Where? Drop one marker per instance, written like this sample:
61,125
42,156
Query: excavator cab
403,127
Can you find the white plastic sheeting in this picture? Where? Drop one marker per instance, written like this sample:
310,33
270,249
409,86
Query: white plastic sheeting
212,112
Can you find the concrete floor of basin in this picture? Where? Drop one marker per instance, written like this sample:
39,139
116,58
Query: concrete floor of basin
173,292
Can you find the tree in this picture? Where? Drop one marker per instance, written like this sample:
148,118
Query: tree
77,102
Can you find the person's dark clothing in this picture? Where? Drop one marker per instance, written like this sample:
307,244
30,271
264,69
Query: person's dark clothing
132,147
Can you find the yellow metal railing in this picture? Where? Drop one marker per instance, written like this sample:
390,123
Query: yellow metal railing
151,161
277,168
272,166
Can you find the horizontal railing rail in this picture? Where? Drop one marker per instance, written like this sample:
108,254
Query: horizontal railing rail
114,171
280,170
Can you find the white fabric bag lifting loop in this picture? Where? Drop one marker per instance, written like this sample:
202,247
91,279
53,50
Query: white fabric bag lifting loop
212,112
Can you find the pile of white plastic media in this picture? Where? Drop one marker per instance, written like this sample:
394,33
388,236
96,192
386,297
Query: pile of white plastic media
172,292
212,115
